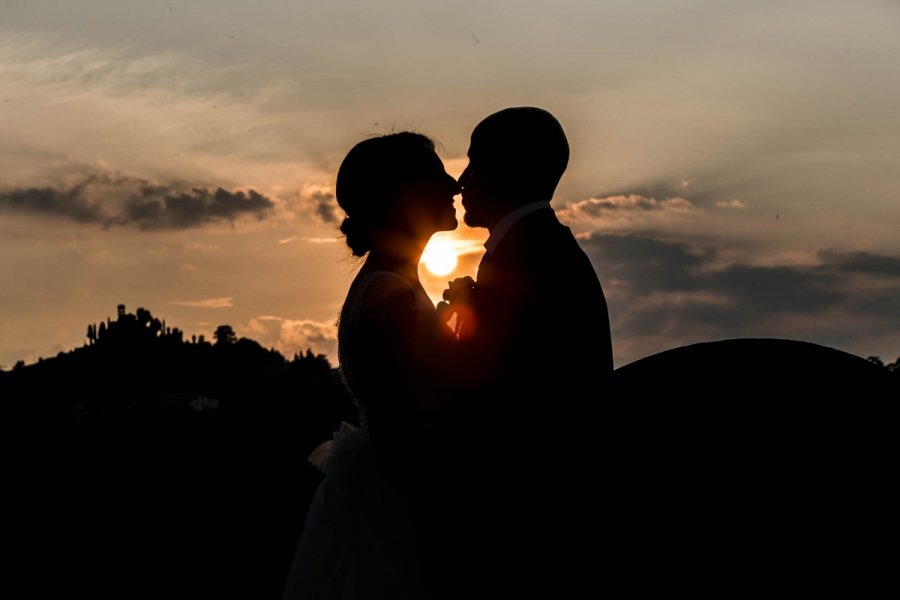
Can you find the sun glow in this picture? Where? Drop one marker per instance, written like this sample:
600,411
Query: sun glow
439,257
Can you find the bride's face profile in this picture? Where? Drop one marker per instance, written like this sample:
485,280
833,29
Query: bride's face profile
394,189
425,201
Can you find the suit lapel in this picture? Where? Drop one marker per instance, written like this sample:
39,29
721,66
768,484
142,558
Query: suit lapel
496,272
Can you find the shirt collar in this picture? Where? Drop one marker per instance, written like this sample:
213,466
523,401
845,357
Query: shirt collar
504,224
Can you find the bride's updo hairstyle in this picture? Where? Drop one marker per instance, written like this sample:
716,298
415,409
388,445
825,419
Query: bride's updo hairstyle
369,181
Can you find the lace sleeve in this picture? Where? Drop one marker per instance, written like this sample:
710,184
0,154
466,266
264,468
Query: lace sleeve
402,317
400,356
388,297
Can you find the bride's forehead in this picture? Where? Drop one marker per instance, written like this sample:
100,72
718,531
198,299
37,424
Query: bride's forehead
424,161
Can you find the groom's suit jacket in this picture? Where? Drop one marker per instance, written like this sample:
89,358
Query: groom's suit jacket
539,322
537,358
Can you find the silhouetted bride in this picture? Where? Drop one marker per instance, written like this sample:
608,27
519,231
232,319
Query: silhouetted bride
360,538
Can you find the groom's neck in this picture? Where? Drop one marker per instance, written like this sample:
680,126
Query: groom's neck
503,209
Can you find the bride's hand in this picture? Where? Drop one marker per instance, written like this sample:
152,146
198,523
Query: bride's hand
459,290
456,299
444,312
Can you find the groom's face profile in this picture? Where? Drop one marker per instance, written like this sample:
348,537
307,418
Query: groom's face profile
516,156
475,198
482,180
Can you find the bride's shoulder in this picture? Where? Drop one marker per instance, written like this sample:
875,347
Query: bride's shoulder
383,294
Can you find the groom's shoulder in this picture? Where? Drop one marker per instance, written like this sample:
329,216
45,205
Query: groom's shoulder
542,247
539,228
535,236
546,235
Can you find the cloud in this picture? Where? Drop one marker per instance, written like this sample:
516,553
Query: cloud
115,200
642,265
321,201
292,336
299,335
254,328
598,206
626,211
734,204
665,292
309,240
197,247
862,262
208,303
64,203
645,262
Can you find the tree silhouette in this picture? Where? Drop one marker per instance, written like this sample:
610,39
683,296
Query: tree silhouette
224,335
142,416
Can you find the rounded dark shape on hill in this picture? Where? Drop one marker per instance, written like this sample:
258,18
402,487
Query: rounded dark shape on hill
752,367
749,444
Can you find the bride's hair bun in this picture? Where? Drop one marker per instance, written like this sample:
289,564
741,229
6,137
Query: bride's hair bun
357,240
369,179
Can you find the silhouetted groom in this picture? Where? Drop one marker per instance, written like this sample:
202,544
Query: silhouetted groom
537,356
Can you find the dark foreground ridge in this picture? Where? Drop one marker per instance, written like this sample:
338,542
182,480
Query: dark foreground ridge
145,465
750,463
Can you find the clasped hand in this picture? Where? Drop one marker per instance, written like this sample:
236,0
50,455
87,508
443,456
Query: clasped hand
456,301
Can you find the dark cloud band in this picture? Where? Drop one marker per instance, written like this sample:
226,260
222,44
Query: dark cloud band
669,287
127,201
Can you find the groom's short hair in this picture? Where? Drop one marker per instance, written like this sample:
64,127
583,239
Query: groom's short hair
522,150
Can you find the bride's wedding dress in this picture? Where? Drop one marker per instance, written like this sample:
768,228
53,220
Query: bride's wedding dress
359,539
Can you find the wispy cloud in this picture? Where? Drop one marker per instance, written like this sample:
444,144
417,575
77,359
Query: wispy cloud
309,240
197,247
118,200
632,202
626,210
207,303
735,204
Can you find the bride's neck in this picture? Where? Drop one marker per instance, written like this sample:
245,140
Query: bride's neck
397,254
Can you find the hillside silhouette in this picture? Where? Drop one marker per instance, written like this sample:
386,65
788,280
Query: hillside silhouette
147,464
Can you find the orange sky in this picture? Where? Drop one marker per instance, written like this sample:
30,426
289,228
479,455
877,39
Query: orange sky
733,165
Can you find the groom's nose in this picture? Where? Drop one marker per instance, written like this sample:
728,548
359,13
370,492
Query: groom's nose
464,176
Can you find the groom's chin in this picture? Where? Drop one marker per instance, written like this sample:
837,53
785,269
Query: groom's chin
470,220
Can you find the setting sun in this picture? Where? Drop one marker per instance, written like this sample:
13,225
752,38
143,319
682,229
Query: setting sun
439,257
